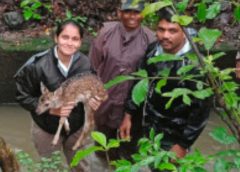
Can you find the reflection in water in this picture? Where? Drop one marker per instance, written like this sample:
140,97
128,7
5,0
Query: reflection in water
15,129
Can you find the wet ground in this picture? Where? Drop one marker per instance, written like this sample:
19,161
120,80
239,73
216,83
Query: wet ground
15,129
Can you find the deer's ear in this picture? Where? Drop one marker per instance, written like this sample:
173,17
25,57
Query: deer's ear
43,88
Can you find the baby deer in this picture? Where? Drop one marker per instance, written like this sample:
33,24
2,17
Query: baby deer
79,88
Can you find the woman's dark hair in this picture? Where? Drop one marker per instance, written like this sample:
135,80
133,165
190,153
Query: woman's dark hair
61,26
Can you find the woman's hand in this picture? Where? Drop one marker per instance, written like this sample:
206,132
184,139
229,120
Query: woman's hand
63,111
95,103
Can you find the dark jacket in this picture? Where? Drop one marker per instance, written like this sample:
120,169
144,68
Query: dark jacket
42,67
181,124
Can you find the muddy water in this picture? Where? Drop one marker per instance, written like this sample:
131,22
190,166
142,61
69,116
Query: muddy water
15,129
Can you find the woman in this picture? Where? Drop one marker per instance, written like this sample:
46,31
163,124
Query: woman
52,67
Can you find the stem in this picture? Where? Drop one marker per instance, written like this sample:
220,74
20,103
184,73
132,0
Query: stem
212,81
108,161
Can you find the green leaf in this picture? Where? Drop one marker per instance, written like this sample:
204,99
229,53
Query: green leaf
231,99
218,55
213,10
199,85
185,69
140,91
182,20
203,93
163,58
81,154
99,138
153,7
168,166
164,72
141,73
237,13
220,165
186,99
117,80
69,14
161,83
181,6
209,37
221,135
113,143
36,5
27,14
201,12
151,134
37,16
25,3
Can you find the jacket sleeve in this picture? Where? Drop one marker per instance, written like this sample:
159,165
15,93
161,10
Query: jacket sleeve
28,89
95,53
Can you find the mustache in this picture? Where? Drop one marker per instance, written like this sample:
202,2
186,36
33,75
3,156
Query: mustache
165,41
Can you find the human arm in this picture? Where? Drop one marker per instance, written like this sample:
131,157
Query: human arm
27,88
96,52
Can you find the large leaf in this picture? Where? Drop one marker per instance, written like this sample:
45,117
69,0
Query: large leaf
209,37
237,13
181,6
153,7
99,138
163,58
140,91
201,12
83,153
213,10
182,20
221,135
117,80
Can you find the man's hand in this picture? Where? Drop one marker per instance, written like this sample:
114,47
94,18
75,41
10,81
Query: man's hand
95,103
125,127
180,151
238,69
63,111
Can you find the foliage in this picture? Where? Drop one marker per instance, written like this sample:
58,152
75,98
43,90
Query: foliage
150,154
104,145
31,8
53,163
81,20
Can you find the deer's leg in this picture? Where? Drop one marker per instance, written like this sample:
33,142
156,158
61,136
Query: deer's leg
87,127
60,125
66,126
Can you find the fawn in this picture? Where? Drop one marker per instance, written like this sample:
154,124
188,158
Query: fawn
79,88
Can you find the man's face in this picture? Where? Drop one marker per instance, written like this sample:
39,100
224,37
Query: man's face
131,19
170,36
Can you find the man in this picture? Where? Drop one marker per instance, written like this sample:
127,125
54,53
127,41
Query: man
181,124
117,50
